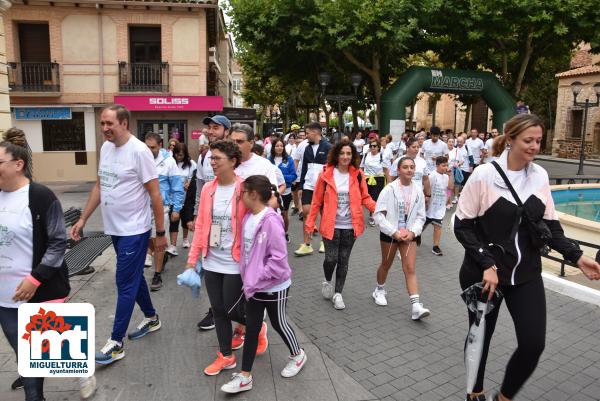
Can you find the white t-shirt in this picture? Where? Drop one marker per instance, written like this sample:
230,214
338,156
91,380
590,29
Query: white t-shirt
313,170
373,164
358,144
488,147
433,149
257,165
403,204
219,259
517,180
299,156
475,146
250,231
203,140
343,217
123,171
421,169
205,171
186,172
437,204
16,243
267,148
290,148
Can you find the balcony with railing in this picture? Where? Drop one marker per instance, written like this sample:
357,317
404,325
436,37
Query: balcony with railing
144,77
33,77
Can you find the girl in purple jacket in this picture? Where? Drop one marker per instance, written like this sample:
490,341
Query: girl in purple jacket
266,280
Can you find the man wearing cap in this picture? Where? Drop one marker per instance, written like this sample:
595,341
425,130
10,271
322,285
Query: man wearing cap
434,147
218,127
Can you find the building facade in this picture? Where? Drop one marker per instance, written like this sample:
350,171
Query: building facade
170,63
570,118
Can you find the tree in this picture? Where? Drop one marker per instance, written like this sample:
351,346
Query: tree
508,36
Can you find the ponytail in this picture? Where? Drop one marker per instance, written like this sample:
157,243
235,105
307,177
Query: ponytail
262,186
498,145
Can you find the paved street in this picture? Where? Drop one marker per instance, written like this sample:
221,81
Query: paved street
365,352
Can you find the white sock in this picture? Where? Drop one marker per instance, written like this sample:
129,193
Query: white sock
414,299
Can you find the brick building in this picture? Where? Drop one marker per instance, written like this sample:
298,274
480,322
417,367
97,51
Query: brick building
168,62
570,118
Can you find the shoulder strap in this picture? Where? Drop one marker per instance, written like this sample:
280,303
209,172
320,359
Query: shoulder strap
508,184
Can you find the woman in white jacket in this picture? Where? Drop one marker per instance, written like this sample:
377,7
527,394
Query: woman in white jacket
400,215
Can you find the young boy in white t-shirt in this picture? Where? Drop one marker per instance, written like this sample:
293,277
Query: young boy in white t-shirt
440,180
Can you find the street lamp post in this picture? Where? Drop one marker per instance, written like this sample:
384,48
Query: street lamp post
576,88
325,78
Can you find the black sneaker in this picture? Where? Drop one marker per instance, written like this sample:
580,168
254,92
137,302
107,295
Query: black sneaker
300,216
208,322
17,384
294,211
156,282
480,397
287,237
436,251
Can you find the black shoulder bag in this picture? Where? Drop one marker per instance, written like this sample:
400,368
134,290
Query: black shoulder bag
539,232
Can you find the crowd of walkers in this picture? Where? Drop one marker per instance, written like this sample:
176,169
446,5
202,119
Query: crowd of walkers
233,207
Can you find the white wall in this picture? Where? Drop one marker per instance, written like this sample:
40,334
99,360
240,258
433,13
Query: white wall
33,132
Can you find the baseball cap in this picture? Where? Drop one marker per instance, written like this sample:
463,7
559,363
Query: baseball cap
295,127
373,135
218,119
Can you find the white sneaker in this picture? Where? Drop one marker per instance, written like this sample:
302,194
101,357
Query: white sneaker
172,249
455,200
87,387
237,384
419,312
327,290
149,260
338,301
186,243
294,365
379,296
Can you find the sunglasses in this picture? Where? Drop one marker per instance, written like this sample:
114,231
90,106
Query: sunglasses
373,146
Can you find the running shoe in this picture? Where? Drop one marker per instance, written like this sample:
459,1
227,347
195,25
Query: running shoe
237,340
480,397
371,222
148,325
304,250
294,211
455,200
221,363
185,243
237,384
437,251
156,282
322,247
379,296
87,387
111,352
263,341
338,301
17,384
327,290
148,262
208,322
172,249
294,365
419,312
300,216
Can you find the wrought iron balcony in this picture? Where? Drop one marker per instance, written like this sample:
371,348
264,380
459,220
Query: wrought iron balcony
33,77
143,77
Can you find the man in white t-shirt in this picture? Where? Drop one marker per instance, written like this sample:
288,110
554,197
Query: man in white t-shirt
487,149
475,145
126,187
433,148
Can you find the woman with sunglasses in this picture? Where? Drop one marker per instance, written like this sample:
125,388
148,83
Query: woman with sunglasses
375,172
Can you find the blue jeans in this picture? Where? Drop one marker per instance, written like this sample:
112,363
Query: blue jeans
34,386
131,284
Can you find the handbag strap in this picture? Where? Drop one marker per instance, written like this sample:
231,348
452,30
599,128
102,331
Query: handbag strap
508,184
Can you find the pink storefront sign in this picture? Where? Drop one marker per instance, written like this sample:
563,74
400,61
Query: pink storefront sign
196,134
171,103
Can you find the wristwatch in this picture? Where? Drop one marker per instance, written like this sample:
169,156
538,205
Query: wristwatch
160,233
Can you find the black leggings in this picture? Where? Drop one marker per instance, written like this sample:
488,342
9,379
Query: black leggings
275,303
527,306
337,253
227,303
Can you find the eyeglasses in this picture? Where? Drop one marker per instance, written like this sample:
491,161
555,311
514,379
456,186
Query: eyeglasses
217,159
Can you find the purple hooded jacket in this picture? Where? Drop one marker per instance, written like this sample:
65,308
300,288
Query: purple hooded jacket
267,263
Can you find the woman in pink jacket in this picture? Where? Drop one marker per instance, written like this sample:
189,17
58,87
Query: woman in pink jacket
266,277
218,240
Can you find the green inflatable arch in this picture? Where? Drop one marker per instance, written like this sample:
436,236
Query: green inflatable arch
424,79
